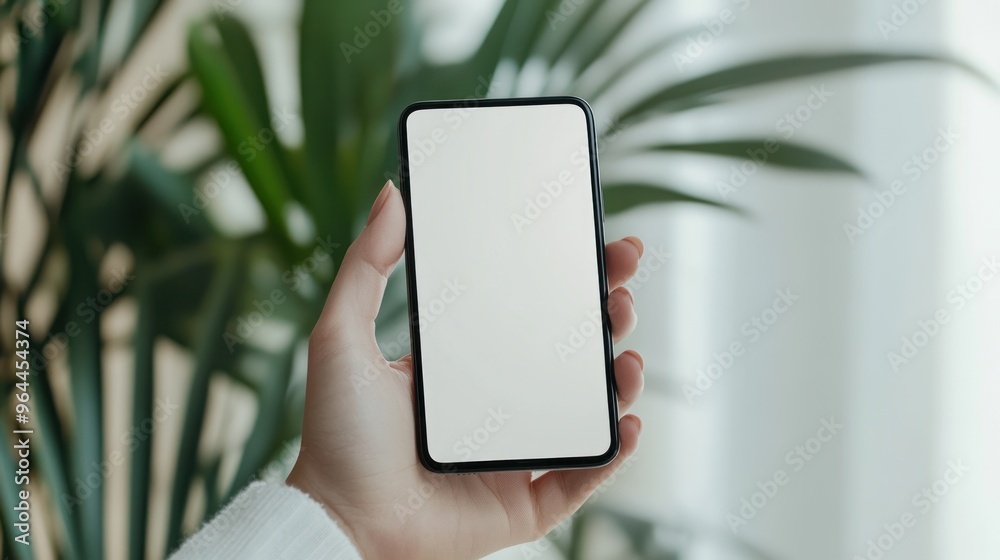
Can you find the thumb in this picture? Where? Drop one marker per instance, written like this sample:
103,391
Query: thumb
356,295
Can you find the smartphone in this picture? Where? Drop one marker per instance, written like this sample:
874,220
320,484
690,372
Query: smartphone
506,284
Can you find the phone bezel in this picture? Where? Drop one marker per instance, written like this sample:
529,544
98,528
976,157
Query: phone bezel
413,308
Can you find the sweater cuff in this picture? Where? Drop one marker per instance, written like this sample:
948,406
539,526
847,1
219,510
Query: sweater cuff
272,521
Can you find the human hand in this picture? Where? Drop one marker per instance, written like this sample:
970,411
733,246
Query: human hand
359,457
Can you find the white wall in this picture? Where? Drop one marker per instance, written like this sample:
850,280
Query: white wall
827,355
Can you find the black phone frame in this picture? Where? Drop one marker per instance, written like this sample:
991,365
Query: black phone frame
549,463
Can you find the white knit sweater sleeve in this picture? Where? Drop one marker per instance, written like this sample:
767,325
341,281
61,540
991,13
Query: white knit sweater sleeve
268,521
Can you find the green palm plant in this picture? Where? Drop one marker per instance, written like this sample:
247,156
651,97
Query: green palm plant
196,285
53,52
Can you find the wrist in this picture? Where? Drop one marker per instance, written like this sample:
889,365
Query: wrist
358,527
303,482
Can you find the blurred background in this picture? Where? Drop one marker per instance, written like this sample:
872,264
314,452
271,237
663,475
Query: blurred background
814,183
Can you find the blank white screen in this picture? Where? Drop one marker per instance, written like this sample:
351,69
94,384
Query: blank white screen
506,271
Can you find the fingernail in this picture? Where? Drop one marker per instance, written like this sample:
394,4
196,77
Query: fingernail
638,422
638,244
638,358
383,196
628,292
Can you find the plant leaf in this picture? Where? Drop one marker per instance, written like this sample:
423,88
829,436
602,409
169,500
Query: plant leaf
621,197
590,44
51,458
174,83
172,193
219,302
211,479
242,54
142,409
35,59
773,70
238,122
142,16
565,25
621,68
347,74
517,33
785,154
267,427
86,386
88,65
498,38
